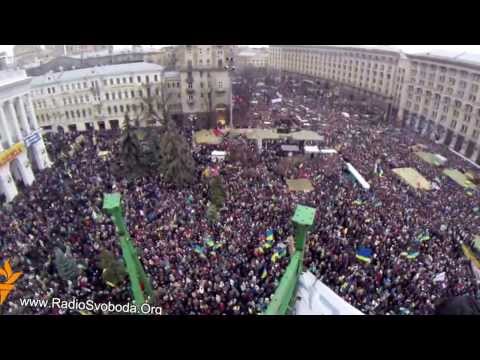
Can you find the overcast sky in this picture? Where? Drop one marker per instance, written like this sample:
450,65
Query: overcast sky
475,49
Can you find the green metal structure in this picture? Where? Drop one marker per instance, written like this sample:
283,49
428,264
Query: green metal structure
284,296
139,281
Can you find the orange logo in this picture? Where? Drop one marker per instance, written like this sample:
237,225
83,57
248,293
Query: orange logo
10,279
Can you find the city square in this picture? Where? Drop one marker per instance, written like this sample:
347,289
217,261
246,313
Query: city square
219,180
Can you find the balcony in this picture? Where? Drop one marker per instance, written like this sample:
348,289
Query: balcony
190,90
220,90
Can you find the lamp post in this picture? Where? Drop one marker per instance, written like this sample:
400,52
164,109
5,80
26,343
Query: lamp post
230,69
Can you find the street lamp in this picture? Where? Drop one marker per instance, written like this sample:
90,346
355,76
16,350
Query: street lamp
230,69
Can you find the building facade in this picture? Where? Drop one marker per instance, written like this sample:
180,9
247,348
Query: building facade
71,50
441,100
20,135
96,97
257,58
205,80
435,94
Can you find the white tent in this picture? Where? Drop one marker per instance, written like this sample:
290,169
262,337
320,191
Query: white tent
315,298
218,155
347,115
276,101
311,149
328,151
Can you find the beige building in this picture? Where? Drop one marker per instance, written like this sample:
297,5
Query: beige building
71,50
96,97
205,80
437,94
441,100
27,54
252,57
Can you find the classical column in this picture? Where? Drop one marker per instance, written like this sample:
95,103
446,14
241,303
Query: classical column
25,168
13,114
23,117
7,184
3,122
39,150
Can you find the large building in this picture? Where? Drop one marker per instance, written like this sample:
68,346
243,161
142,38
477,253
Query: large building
252,57
71,50
27,54
97,97
205,80
20,136
441,100
435,93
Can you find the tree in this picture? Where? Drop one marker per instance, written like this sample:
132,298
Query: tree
66,266
113,269
176,164
130,150
216,191
212,213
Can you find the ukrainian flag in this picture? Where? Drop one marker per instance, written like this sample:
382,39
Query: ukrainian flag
269,235
413,255
364,254
264,274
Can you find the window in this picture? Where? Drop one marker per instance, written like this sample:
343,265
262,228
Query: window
121,108
84,113
118,81
113,96
463,129
139,79
107,96
120,95
126,94
132,93
72,113
156,78
115,110
109,109
67,115
475,134
147,79
89,112
453,124
78,113
85,85
140,93
105,82
111,81
131,79
124,80
128,108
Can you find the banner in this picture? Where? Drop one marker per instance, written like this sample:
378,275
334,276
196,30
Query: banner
11,153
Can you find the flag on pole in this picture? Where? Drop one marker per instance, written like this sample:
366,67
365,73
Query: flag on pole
364,254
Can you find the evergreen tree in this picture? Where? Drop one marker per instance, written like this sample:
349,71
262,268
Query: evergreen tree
217,192
66,266
177,164
212,213
130,149
113,269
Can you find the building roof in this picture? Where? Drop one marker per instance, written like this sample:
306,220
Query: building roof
82,74
375,48
453,57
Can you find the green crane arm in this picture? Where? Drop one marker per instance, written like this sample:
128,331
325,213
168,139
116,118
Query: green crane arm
139,281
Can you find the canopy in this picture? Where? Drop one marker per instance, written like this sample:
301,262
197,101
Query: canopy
275,101
299,185
413,178
347,115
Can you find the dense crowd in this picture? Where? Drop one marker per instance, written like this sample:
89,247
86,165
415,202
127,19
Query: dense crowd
169,224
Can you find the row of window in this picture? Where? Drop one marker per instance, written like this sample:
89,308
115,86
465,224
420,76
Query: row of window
94,84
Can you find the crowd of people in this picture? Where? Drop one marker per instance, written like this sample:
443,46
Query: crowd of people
236,273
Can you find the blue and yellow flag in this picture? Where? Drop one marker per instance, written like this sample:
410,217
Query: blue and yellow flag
269,235
364,254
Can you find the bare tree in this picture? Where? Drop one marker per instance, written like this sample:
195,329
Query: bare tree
157,103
